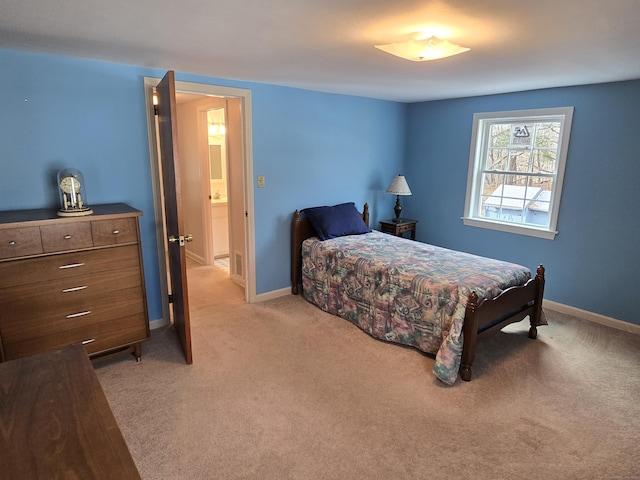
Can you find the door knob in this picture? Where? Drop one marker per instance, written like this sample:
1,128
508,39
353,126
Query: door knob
180,239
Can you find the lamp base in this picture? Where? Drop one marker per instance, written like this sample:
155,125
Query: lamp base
398,210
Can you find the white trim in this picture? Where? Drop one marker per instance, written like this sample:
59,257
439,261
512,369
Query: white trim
245,97
592,317
273,294
510,228
195,257
158,323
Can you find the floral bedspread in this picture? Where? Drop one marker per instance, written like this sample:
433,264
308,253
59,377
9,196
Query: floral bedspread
403,291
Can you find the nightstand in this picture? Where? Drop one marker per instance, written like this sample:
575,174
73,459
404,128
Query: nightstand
398,228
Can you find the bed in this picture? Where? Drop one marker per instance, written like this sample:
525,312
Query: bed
440,301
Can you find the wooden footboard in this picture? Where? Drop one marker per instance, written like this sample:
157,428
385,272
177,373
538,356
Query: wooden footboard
491,315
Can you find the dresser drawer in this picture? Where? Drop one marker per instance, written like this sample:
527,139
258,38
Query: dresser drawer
66,236
66,292
118,332
55,267
114,231
96,338
43,309
406,228
20,242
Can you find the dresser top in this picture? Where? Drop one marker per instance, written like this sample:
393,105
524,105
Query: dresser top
61,423
45,216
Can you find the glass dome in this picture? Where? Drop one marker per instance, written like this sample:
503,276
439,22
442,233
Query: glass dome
73,197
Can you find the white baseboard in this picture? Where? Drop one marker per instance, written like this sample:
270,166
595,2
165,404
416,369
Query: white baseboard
592,317
237,279
273,294
158,323
195,257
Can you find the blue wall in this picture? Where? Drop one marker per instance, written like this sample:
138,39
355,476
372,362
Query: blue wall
313,148
316,148
593,262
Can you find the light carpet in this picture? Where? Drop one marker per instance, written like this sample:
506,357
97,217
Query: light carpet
281,390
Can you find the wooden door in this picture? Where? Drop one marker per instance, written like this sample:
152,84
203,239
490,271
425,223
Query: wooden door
168,132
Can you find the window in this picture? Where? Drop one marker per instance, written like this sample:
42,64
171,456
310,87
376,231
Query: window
516,166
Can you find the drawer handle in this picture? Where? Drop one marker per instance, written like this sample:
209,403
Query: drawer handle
116,232
79,314
12,243
74,289
71,265
67,237
91,340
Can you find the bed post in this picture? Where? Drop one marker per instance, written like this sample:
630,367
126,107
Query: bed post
365,214
296,254
470,331
536,316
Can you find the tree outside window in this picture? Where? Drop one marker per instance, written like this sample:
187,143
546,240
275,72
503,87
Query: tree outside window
516,168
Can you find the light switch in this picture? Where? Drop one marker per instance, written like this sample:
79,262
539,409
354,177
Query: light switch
260,181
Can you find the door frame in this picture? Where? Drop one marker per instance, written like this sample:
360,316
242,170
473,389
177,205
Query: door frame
245,101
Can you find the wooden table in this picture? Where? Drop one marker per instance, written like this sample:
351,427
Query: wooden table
55,421
400,227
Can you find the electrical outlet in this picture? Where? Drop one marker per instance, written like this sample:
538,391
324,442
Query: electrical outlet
260,181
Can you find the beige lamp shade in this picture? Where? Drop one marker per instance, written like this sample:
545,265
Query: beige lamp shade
399,186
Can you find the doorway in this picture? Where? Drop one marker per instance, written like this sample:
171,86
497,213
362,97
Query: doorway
240,175
211,157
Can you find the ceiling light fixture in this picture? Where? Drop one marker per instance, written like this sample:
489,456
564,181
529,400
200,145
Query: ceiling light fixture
423,49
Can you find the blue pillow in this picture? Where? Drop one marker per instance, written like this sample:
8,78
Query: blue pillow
336,221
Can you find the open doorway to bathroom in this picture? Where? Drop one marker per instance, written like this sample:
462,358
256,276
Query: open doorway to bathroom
210,158
189,177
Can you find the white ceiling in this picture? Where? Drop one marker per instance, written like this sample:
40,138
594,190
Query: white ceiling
327,45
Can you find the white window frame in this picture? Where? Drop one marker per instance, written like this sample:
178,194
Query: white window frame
479,141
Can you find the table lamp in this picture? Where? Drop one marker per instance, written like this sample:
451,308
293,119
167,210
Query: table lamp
399,186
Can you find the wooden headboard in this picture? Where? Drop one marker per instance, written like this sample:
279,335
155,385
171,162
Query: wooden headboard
301,229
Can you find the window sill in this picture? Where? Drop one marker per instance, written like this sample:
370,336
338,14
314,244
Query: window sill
510,228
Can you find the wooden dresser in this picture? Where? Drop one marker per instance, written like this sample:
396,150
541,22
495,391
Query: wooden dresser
72,280
56,422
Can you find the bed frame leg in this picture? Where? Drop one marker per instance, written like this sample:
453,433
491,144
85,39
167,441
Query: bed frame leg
296,251
470,330
465,372
534,319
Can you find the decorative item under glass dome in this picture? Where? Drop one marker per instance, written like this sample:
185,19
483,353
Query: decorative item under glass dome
73,198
